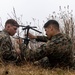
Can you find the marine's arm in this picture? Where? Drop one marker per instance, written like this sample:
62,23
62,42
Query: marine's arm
42,39
38,38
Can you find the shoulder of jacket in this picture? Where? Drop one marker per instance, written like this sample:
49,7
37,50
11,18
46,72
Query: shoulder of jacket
2,34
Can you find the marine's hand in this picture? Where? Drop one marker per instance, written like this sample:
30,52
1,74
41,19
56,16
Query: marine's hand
19,41
18,51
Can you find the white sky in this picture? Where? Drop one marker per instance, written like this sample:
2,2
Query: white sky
39,9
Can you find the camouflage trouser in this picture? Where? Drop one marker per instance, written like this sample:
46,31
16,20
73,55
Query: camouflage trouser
44,62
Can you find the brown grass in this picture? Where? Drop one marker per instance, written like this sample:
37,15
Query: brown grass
29,69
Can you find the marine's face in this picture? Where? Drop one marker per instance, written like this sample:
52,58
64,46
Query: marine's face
49,31
11,29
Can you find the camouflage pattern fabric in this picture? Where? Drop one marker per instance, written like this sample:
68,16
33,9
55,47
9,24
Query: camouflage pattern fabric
58,50
7,52
42,39
44,62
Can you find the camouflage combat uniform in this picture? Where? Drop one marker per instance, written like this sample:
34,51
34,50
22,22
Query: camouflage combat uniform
7,52
58,50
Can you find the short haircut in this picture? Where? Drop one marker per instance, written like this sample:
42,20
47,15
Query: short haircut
12,22
52,22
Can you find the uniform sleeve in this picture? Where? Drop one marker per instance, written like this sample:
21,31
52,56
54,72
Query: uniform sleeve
42,39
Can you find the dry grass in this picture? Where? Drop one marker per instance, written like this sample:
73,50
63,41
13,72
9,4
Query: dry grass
29,69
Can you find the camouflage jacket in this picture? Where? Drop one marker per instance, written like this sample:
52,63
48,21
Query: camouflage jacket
58,49
6,48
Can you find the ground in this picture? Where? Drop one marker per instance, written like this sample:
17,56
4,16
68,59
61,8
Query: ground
29,69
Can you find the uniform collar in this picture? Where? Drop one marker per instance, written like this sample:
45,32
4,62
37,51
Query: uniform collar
57,36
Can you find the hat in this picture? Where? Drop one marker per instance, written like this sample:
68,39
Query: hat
12,22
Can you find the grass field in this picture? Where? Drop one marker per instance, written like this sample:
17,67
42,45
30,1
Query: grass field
29,69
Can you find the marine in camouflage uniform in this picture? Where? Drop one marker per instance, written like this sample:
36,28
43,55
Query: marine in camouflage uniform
7,51
58,49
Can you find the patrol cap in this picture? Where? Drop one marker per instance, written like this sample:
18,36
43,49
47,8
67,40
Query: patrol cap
12,22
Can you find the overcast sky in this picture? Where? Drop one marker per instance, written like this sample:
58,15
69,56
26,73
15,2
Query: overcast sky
39,9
